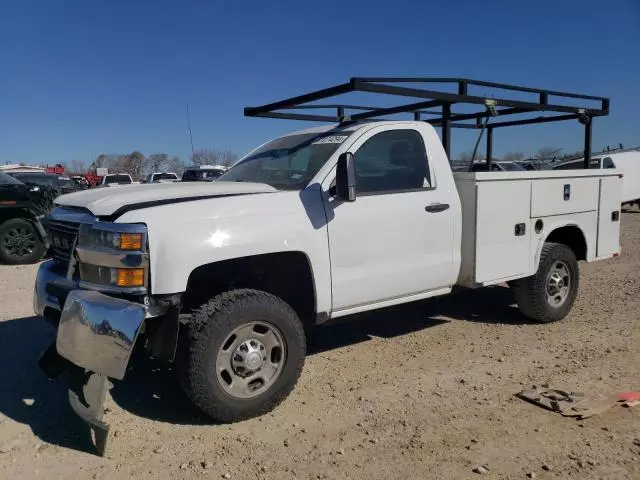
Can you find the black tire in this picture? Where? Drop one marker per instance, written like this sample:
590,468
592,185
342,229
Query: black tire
20,242
211,324
531,292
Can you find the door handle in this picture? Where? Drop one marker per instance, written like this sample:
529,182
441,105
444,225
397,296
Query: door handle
436,207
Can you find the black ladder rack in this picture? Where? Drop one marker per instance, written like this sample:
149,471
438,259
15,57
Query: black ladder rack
299,107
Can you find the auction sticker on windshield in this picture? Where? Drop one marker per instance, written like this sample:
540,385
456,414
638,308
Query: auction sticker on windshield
331,139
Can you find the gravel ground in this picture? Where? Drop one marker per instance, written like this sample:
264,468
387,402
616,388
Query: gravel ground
422,391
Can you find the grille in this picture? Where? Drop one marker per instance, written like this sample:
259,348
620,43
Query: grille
62,235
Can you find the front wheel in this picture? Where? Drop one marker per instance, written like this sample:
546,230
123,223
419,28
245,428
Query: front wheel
20,242
549,295
244,353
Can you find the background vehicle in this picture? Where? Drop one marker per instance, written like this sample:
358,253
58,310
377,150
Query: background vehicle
202,173
528,165
626,161
579,162
55,181
498,166
112,179
22,237
309,227
161,177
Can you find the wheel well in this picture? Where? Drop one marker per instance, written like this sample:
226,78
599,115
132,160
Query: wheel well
11,213
572,237
286,275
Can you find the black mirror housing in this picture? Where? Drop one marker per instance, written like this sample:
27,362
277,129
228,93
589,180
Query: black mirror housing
346,178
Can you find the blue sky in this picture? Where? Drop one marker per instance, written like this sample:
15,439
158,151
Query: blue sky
78,78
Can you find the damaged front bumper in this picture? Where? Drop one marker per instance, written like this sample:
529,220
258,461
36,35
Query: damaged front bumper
98,332
95,339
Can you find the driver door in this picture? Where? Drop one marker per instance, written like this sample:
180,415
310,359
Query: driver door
391,242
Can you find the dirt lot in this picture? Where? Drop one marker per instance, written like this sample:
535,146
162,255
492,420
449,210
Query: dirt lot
423,391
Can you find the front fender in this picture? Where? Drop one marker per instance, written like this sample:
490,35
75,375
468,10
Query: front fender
185,236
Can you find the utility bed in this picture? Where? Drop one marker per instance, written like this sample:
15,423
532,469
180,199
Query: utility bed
507,215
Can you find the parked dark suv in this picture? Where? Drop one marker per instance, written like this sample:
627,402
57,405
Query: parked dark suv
44,179
22,237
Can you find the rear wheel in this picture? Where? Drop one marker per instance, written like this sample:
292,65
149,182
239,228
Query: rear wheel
243,355
20,242
548,296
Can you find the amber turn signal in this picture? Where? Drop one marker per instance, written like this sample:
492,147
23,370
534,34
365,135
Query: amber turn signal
130,277
130,241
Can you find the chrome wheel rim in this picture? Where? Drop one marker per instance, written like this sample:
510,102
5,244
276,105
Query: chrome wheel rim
558,284
250,359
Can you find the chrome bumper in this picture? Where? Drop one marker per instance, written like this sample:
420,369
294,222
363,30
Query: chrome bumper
96,336
41,299
96,332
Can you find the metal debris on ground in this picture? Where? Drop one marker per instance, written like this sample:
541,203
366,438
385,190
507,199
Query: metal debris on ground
575,404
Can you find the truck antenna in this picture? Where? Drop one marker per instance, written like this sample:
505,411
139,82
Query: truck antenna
190,133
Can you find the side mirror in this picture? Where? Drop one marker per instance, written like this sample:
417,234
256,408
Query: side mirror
346,178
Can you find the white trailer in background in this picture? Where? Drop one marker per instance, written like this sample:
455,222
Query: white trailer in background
628,162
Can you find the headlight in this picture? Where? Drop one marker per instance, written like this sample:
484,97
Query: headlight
113,256
92,237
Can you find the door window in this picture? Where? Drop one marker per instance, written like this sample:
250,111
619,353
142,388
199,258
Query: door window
392,161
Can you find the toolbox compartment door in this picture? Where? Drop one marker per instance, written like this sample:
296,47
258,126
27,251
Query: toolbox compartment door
560,196
609,217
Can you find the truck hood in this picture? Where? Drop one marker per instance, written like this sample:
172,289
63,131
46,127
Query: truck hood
108,201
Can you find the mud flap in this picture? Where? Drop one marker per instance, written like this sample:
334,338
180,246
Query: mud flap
87,392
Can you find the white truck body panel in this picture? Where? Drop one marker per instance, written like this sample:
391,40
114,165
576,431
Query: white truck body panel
494,203
383,249
104,202
185,236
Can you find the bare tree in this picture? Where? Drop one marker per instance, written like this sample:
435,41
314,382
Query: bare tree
466,157
548,153
156,162
101,161
513,156
176,165
206,156
132,164
211,156
226,158
77,166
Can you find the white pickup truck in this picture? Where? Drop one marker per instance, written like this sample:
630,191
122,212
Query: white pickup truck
308,227
112,179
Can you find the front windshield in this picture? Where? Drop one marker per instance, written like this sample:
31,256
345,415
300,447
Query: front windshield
287,163
8,180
